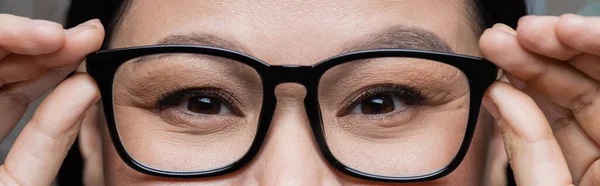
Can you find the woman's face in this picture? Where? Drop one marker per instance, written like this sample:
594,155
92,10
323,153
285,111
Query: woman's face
285,33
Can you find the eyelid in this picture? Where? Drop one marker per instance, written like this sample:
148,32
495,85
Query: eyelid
175,98
225,108
398,104
354,99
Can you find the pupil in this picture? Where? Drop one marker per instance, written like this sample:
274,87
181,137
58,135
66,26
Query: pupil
204,105
377,105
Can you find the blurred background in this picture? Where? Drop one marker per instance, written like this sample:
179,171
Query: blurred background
56,10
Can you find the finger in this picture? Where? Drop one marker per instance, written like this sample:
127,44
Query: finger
44,142
559,82
592,176
80,41
577,147
589,64
497,161
15,72
579,150
12,108
533,153
22,35
90,145
538,34
581,33
3,53
15,98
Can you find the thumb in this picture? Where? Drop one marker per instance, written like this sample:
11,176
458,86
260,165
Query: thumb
90,145
532,150
38,152
497,161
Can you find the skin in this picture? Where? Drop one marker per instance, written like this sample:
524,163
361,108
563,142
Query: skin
300,43
550,62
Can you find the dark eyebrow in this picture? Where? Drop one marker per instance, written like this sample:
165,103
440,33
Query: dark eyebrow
193,39
401,38
202,39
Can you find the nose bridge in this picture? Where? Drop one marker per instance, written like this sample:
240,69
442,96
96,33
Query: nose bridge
290,155
290,74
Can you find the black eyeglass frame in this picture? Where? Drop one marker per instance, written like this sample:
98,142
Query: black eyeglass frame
103,65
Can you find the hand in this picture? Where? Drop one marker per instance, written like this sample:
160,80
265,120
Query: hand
549,115
36,55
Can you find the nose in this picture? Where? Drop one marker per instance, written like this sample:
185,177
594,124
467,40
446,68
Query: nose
290,155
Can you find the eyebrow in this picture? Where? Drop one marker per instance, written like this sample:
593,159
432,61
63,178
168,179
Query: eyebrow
400,37
204,40
193,39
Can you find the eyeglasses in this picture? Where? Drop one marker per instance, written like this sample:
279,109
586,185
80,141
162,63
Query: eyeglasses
391,115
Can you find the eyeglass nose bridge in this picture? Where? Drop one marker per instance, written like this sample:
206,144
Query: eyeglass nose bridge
291,74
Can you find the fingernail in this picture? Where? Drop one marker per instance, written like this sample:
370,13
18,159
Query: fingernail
500,76
46,26
505,28
89,25
92,22
491,107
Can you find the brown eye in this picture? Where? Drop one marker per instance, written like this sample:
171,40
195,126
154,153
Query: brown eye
380,104
377,105
206,105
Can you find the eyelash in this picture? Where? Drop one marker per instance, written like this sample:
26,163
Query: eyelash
175,98
411,96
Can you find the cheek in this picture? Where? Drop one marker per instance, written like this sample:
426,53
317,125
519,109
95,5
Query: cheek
471,170
116,172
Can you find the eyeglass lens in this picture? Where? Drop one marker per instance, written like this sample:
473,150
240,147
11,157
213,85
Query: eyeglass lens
389,116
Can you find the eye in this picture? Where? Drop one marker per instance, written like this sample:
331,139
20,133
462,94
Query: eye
207,101
379,104
206,105
382,99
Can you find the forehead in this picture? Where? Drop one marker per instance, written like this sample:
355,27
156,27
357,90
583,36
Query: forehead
294,32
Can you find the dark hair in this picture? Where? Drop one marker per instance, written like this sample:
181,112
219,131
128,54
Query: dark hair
501,11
